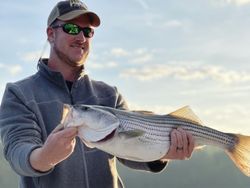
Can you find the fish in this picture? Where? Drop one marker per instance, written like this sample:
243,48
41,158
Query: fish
144,136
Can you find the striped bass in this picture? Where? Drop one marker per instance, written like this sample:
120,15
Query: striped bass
144,136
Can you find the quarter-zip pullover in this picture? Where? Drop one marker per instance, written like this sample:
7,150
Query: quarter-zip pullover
32,108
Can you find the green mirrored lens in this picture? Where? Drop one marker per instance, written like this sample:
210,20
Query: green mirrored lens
88,32
71,29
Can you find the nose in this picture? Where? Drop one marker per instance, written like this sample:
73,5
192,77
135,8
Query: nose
81,37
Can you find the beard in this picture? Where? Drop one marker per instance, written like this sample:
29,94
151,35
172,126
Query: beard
66,59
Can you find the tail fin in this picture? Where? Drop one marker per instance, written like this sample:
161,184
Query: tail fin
240,154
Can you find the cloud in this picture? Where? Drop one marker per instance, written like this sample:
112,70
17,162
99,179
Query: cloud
153,108
230,117
142,59
239,92
184,73
173,24
111,57
33,56
136,56
235,2
239,2
140,51
12,69
119,52
103,65
15,69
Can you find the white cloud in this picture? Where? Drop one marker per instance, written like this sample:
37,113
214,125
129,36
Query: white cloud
119,52
136,56
140,51
106,65
142,59
33,56
12,69
235,2
236,92
173,23
239,2
109,57
231,117
153,108
159,71
15,69
215,73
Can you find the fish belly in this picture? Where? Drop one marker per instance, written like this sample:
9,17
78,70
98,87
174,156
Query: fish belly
135,149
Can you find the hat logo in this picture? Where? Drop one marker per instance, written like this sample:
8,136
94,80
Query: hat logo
75,3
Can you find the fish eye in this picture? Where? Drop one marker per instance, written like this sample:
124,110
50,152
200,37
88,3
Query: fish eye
85,107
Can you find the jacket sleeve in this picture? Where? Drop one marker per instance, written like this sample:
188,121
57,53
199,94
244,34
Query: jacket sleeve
19,130
154,166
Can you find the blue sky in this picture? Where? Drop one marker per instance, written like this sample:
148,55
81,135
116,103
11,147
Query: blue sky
161,55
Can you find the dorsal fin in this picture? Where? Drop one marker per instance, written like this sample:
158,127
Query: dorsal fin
188,114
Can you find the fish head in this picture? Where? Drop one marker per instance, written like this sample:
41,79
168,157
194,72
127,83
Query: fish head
93,123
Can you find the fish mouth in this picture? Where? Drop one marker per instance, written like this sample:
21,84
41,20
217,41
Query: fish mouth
108,137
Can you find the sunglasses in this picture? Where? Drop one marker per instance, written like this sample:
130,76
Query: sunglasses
73,29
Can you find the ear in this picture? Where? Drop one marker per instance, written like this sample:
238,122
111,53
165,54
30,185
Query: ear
50,35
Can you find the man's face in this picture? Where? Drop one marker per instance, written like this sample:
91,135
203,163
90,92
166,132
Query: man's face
71,49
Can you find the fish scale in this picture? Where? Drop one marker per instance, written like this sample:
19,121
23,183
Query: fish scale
155,125
152,133
144,136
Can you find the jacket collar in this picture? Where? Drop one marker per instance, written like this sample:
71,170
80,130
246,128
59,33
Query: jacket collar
52,75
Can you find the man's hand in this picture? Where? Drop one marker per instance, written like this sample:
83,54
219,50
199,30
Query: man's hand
181,146
59,145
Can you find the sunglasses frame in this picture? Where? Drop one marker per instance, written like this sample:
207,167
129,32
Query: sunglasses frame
85,30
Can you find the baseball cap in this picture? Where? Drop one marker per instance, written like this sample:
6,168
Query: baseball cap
67,10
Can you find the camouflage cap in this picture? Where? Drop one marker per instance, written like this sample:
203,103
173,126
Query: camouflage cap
67,10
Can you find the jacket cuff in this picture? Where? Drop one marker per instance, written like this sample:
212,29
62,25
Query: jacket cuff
22,165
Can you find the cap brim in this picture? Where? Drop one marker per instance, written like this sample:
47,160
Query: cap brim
94,18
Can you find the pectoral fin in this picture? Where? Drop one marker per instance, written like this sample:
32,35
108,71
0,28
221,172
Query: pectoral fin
131,134
65,112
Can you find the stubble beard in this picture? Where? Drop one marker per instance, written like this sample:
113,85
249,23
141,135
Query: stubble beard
65,58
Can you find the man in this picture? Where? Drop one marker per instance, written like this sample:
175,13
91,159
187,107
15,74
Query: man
44,155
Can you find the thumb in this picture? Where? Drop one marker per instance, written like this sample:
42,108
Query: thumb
58,128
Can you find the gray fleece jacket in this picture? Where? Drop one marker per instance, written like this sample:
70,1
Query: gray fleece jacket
32,108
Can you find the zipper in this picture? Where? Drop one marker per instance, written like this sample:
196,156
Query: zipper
85,166
70,92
